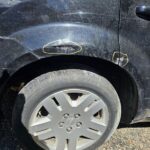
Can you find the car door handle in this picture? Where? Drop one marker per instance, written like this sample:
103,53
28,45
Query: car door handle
143,12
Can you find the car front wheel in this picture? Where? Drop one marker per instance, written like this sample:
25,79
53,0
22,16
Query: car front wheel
68,109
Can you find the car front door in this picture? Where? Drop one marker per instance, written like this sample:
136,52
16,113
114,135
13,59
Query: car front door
134,42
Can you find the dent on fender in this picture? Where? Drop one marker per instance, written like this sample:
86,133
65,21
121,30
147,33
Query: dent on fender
62,46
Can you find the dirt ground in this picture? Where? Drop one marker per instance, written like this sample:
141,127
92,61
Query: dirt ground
130,138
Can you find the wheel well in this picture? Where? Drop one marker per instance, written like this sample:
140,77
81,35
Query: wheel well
121,79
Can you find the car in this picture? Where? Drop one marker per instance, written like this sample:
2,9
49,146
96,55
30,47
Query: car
72,71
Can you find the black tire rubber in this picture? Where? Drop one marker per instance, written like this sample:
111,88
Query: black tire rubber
48,83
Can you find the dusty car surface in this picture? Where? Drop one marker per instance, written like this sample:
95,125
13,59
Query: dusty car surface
72,70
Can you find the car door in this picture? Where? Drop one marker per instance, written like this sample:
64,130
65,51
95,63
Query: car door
134,39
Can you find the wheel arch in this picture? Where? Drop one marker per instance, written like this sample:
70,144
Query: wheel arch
120,79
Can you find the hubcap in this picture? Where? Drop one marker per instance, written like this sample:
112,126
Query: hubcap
72,119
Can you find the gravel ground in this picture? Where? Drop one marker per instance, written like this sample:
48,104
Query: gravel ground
124,139
129,139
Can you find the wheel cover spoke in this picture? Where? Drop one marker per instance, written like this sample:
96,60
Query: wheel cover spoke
72,143
45,135
97,126
69,124
43,124
63,100
96,107
51,106
86,100
60,143
90,134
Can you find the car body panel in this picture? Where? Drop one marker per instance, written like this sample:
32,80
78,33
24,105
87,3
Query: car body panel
30,25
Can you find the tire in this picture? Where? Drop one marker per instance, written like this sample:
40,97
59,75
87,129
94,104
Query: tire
31,97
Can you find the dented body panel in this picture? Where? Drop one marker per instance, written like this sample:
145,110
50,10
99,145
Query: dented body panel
35,29
30,25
